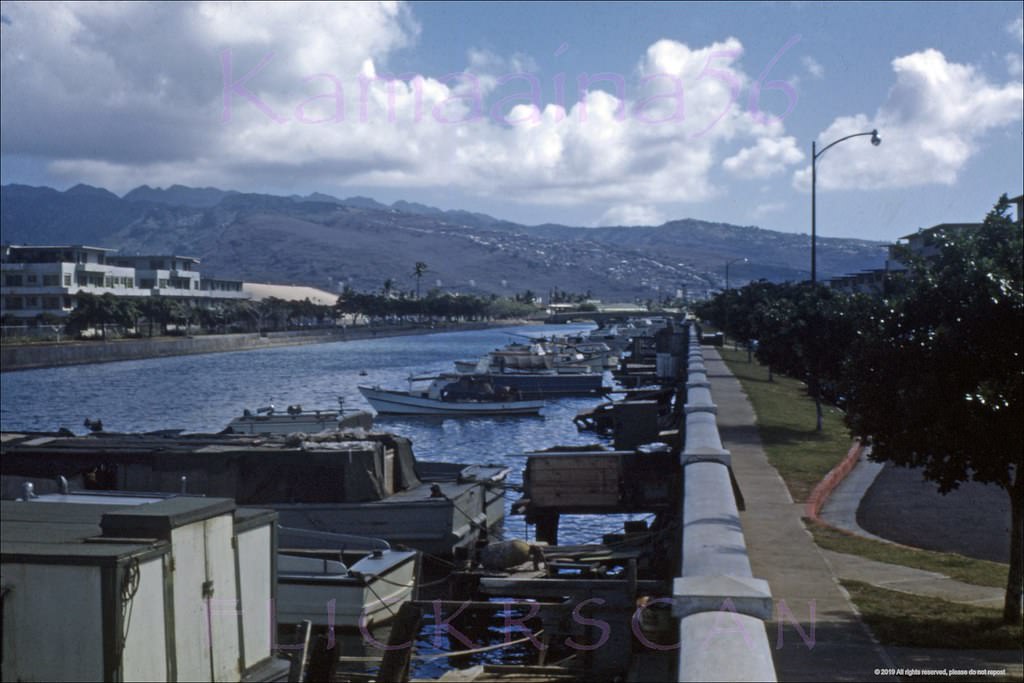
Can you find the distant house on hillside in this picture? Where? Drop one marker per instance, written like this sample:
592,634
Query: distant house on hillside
921,243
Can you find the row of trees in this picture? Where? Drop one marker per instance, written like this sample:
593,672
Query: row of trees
931,373
135,315
132,316
435,305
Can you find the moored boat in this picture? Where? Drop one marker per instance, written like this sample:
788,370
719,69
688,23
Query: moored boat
270,420
451,396
360,584
547,383
562,354
366,484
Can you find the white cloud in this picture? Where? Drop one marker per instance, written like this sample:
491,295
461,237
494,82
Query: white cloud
767,158
931,124
631,214
1016,28
813,67
1014,60
1014,64
124,94
762,210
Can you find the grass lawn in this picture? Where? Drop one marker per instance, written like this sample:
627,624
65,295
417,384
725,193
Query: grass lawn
785,418
959,567
915,621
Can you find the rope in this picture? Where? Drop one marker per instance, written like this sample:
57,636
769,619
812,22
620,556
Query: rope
478,650
438,559
382,600
442,655
428,584
129,587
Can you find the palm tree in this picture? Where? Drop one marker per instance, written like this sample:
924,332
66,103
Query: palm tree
418,271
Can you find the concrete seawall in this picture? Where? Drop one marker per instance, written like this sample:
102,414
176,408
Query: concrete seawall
44,355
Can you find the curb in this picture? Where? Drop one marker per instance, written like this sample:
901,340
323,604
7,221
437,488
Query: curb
824,489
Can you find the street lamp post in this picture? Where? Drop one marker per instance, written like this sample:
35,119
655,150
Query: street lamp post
876,141
729,263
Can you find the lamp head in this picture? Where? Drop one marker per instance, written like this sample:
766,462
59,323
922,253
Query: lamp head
875,140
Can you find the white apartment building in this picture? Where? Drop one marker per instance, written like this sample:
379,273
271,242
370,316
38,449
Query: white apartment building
45,279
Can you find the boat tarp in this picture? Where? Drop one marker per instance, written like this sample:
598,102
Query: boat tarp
405,462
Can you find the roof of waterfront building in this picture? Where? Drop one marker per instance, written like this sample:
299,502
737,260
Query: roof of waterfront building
178,257
260,291
941,226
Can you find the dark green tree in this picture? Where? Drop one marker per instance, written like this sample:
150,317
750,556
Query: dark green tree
938,374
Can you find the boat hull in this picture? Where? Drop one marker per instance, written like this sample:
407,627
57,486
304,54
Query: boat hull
534,386
471,502
307,422
390,402
369,594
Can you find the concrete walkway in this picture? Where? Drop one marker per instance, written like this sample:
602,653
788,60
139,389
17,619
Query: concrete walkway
841,511
809,600
896,577
804,577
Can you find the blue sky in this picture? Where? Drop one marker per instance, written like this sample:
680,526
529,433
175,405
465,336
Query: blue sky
122,95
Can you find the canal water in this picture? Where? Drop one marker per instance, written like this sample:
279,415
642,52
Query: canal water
203,393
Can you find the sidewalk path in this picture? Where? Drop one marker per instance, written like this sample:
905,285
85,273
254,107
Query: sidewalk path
896,577
783,553
801,574
840,510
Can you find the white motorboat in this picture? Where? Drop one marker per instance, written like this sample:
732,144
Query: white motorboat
342,588
270,420
452,396
541,355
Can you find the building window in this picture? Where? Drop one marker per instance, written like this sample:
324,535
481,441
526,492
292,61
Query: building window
13,302
51,302
129,282
51,280
31,302
32,280
67,279
12,280
67,302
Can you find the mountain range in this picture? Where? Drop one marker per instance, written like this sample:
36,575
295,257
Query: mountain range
322,241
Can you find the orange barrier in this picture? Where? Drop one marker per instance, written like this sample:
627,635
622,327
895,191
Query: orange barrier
826,486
